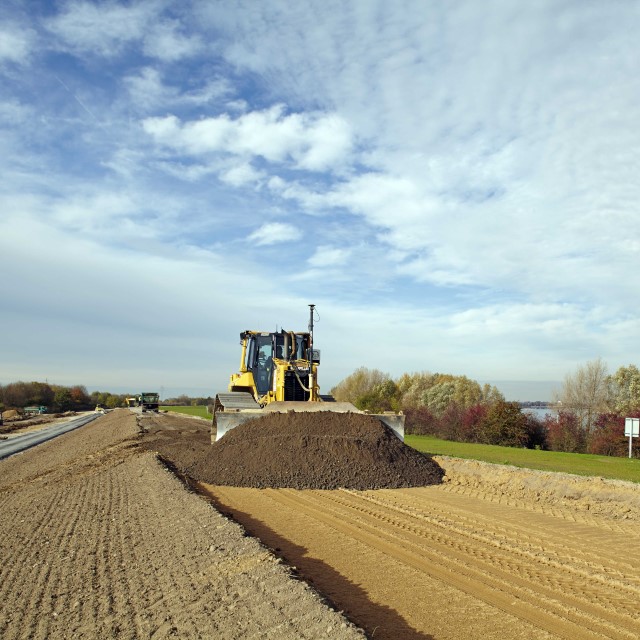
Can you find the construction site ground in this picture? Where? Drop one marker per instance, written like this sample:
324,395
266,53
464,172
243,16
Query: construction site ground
101,537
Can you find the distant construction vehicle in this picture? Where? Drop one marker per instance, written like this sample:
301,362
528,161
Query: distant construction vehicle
35,410
279,372
131,402
149,401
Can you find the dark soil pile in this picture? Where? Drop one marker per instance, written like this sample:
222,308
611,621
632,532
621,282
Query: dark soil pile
321,450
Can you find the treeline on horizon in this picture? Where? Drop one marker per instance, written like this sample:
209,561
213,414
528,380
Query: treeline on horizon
59,398
589,410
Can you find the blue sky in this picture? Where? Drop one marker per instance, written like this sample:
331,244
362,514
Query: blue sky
453,184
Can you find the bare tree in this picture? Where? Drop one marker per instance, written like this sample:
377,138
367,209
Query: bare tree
586,393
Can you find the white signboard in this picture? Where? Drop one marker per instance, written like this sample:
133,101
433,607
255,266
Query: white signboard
632,427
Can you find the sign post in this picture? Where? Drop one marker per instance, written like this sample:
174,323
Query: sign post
631,429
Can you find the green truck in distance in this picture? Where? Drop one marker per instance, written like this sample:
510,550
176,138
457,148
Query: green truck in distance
35,410
149,401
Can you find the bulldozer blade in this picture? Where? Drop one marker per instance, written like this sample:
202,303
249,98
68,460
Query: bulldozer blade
395,422
231,410
226,420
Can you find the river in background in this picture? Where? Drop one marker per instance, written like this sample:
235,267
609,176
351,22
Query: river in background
539,413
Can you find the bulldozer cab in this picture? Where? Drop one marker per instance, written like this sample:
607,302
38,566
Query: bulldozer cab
277,366
263,348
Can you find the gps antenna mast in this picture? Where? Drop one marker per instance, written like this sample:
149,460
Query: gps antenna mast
311,382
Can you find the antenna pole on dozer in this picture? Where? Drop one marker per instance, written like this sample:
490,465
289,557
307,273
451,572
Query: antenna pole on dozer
311,382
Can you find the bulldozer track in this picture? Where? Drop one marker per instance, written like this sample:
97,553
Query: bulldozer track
554,575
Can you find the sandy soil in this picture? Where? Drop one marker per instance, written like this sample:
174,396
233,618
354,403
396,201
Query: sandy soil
99,540
102,541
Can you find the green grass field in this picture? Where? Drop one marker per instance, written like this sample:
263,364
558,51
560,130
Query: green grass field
577,463
201,412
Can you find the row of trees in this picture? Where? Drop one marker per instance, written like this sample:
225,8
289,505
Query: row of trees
374,390
592,406
57,398
589,416
444,405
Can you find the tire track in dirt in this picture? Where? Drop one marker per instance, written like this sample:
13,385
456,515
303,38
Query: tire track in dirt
594,551
525,565
557,585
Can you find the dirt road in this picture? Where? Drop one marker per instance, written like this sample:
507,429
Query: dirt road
102,541
98,540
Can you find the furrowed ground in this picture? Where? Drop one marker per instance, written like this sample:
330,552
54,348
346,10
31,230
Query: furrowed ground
99,540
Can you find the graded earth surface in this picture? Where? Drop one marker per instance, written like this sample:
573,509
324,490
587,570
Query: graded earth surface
111,531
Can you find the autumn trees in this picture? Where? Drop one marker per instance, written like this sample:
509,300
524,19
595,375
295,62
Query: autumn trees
23,394
57,397
435,391
625,390
589,410
592,406
448,406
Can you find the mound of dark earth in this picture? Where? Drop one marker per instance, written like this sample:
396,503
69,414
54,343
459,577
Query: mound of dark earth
320,450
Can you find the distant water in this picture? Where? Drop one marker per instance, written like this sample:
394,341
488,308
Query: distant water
539,413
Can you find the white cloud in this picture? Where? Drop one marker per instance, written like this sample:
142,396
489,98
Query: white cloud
193,138
275,233
328,143
102,29
313,141
241,174
166,42
147,90
325,256
16,43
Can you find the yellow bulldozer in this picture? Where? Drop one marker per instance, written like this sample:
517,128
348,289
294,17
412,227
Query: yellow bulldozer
279,372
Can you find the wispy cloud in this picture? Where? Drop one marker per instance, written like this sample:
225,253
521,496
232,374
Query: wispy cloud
329,257
274,233
101,29
167,41
149,91
16,43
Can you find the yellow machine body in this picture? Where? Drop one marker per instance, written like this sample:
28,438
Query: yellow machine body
279,372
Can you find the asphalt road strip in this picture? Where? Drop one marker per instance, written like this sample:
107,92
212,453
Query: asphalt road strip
25,441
